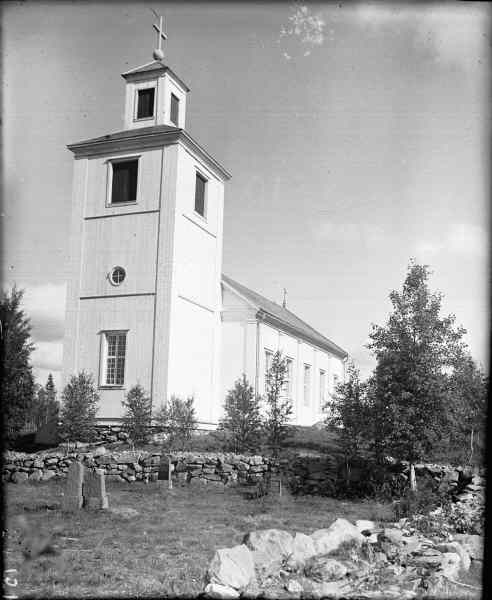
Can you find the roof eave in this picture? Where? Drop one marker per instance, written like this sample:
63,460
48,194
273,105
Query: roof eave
277,322
135,73
147,140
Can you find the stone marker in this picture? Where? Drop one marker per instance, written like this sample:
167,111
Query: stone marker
95,490
166,468
73,499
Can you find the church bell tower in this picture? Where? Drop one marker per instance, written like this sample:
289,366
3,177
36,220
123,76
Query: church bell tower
144,295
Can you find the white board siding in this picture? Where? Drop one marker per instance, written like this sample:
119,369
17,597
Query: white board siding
134,314
191,364
129,241
148,184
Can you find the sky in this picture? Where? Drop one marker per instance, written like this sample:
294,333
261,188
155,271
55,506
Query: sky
356,136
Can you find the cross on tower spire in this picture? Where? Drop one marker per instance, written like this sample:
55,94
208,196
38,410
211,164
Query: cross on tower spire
158,53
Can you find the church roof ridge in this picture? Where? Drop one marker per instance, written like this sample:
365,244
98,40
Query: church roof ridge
284,316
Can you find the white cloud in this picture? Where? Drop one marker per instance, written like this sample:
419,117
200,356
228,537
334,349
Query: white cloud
455,34
45,305
462,239
48,355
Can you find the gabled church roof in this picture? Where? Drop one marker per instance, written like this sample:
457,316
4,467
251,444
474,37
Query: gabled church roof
283,318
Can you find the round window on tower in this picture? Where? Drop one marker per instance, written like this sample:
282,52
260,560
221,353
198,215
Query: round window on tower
117,275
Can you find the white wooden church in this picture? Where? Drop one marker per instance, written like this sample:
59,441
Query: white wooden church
147,301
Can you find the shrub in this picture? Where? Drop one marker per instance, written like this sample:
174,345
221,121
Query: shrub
242,420
279,407
138,414
79,407
177,419
421,501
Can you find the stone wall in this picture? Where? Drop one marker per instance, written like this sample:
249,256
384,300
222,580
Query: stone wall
309,474
189,467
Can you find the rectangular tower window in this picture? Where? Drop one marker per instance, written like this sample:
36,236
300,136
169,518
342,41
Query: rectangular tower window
307,384
175,110
124,186
200,184
114,358
322,388
145,106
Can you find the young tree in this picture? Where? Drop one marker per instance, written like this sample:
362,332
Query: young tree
138,414
177,418
467,398
17,380
242,419
79,407
349,409
413,351
53,407
45,406
279,407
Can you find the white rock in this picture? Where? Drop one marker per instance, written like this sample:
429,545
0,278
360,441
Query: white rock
339,532
223,592
270,546
294,587
303,548
457,548
233,567
365,525
323,568
473,544
450,564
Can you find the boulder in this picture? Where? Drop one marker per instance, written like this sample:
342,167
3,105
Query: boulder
332,589
36,475
340,532
473,544
223,592
19,477
450,564
233,567
365,525
47,475
457,548
270,547
303,549
393,535
100,451
323,568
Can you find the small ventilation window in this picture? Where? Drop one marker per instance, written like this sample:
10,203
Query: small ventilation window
145,106
117,275
175,110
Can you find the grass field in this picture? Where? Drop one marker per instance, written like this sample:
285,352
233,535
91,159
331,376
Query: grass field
162,551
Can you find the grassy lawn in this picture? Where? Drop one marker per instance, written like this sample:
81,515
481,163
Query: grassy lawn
162,551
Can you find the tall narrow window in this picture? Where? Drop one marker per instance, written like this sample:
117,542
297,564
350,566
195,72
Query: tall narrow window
289,363
124,186
114,358
322,388
268,364
175,110
307,384
200,184
145,106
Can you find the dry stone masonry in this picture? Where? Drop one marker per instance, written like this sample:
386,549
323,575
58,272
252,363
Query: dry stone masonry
189,468
348,560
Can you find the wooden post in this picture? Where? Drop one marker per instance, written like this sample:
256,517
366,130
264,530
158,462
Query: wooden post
169,474
280,485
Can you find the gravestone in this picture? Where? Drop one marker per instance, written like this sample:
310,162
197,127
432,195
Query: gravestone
166,468
275,483
73,499
95,490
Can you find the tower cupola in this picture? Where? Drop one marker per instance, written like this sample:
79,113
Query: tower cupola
155,95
